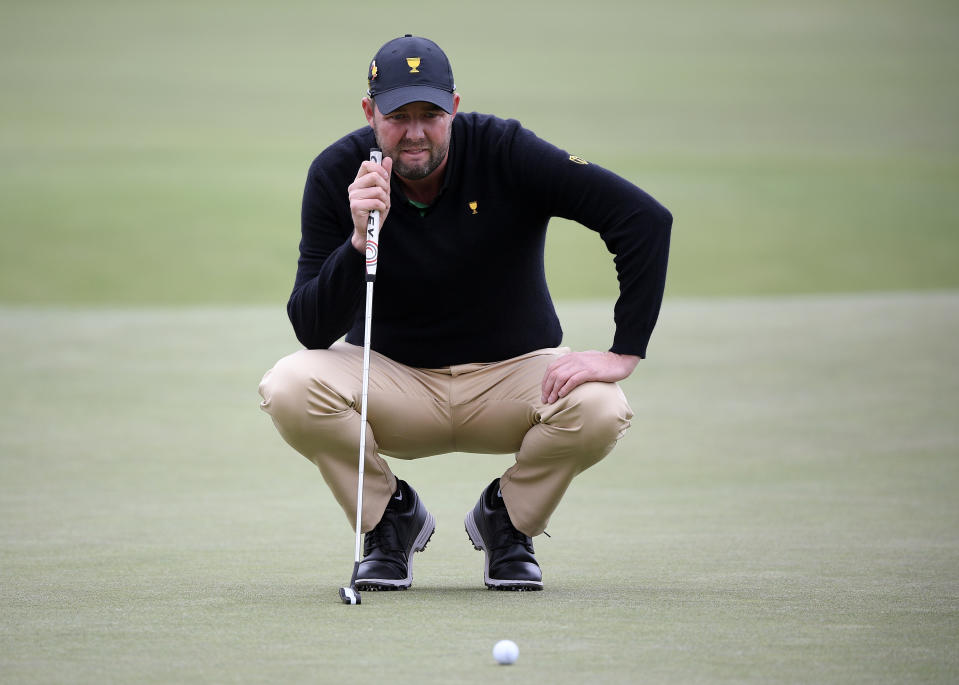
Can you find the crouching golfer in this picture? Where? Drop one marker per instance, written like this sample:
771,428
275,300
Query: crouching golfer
465,339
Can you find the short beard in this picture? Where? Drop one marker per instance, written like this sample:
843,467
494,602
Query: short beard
415,172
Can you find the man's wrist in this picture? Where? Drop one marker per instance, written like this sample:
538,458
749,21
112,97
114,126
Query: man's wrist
358,243
628,361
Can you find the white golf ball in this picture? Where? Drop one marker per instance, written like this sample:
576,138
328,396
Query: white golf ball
505,652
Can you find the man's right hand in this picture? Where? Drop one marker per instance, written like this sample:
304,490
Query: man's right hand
368,192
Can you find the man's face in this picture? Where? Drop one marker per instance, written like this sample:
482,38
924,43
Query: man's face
416,136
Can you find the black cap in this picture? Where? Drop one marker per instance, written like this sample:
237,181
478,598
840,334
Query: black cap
410,69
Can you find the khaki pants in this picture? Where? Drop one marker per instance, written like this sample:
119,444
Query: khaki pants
314,399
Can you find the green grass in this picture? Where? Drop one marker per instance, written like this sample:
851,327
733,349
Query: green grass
783,510
156,153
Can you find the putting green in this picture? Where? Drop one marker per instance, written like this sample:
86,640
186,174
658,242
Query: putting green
783,510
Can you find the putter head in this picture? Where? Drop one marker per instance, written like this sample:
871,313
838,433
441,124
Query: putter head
350,595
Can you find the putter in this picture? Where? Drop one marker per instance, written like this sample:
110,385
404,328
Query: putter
350,595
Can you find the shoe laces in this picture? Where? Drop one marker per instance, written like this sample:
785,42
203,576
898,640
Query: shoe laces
505,533
384,536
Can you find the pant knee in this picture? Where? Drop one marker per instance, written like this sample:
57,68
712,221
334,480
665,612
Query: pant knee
282,392
598,414
294,395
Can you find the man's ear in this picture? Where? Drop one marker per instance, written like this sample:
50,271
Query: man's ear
369,108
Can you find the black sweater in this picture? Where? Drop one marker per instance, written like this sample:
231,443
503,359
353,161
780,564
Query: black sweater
464,282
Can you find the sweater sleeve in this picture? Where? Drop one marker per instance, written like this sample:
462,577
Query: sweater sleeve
634,226
328,291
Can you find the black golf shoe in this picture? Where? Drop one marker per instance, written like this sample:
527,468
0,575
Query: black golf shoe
388,549
510,564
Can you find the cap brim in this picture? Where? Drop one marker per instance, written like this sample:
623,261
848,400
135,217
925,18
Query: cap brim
390,100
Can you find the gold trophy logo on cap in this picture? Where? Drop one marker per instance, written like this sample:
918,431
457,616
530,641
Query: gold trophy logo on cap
413,62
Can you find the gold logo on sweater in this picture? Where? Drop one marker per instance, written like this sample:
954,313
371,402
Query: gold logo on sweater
577,160
473,206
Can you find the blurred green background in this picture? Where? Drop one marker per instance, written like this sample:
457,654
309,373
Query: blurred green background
156,152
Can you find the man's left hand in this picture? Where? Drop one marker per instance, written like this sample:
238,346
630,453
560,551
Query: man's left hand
576,368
